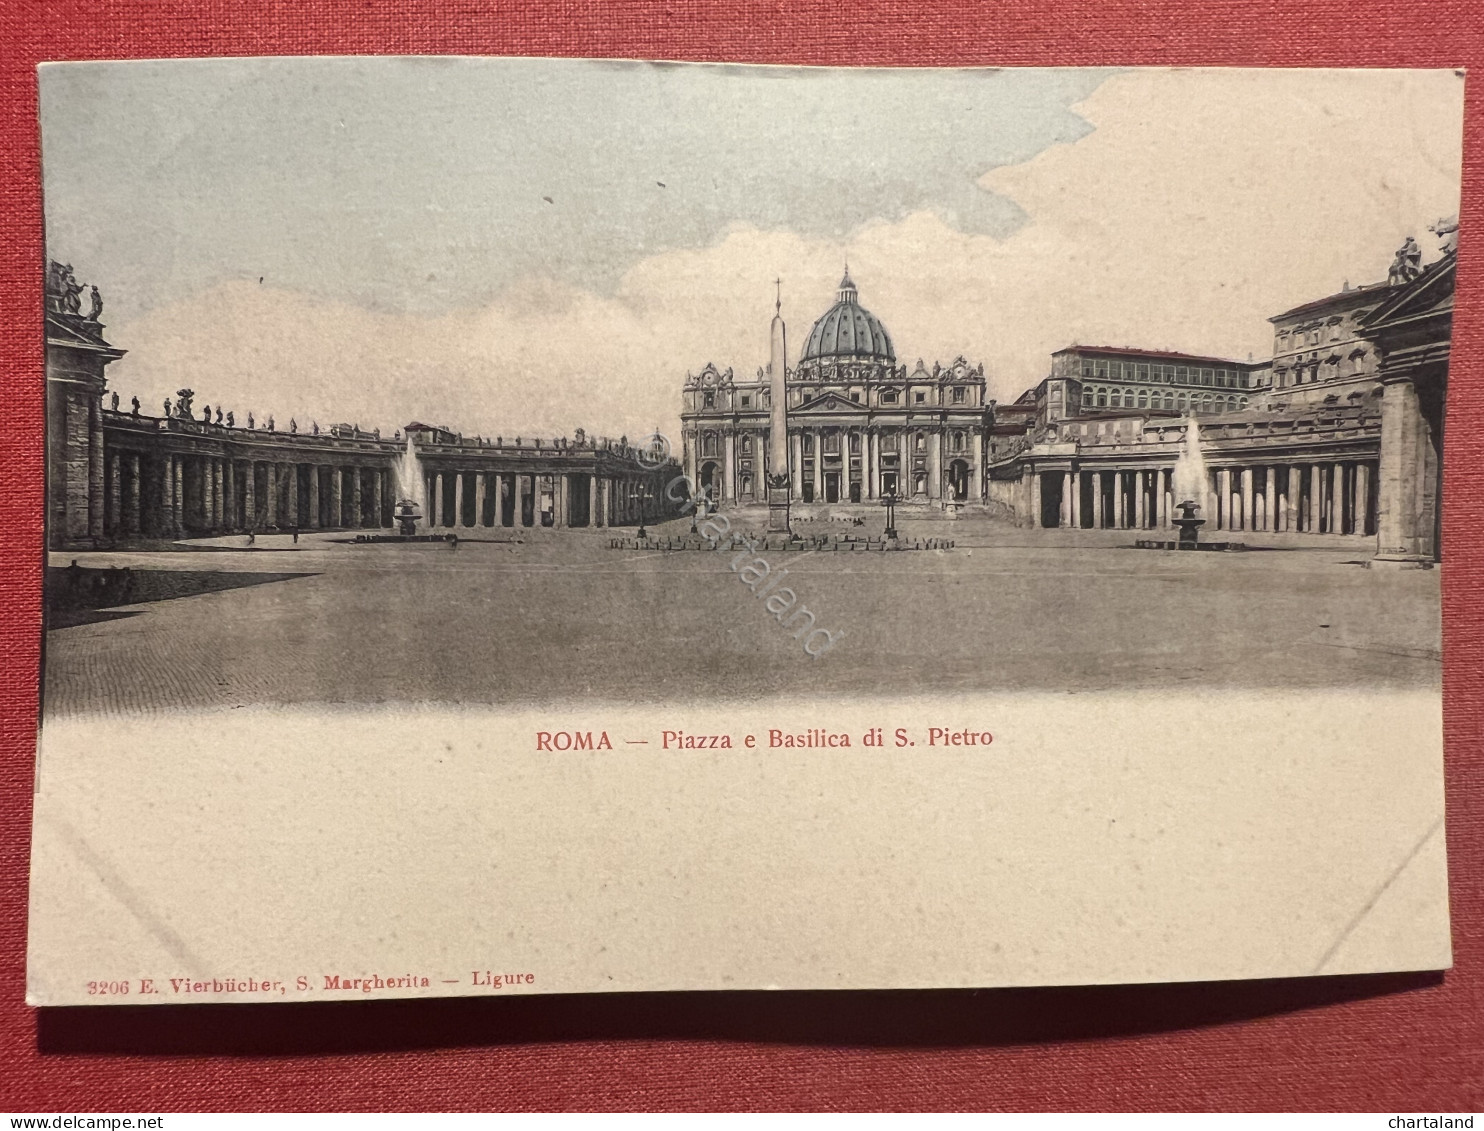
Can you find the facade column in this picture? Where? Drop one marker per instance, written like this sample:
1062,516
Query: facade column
1064,518
818,465
1362,497
729,473
796,464
1161,500
976,468
873,464
1097,500
935,466
1035,497
114,517
132,492
1311,512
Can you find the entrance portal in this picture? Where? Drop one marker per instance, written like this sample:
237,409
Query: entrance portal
958,480
832,486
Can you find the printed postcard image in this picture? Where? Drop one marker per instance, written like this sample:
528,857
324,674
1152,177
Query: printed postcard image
538,526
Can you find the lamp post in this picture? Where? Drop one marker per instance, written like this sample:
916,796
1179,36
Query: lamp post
890,500
644,497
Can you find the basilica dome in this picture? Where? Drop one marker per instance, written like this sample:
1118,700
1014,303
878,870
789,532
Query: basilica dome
848,331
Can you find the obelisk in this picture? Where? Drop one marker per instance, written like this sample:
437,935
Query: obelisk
778,471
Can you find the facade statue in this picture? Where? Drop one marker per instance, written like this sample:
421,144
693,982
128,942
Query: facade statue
206,414
251,423
167,407
113,402
293,426
231,423
1407,265
183,398
71,289
218,414
133,406
1446,229
97,307
270,424
314,426
397,435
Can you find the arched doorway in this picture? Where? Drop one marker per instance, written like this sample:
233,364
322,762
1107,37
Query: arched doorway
710,479
958,480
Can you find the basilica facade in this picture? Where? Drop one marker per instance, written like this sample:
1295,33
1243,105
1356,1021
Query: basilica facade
861,425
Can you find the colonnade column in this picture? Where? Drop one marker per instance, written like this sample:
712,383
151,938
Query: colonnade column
1311,516
481,493
1247,498
1270,499
1065,517
1141,499
1161,501
249,492
1076,500
95,467
131,495
113,519
177,497
1293,487
270,504
594,512
1097,500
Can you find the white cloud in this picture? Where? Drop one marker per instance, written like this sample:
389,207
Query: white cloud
1202,203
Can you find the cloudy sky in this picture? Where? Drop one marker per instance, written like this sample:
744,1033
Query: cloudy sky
530,246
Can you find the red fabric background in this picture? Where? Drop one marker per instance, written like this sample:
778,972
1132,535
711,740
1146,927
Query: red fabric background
1390,1043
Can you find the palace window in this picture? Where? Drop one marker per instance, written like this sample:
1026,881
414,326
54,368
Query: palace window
855,396
1088,397
709,399
1143,399
919,397
1143,373
958,394
1102,398
1182,375
746,401
1243,403
888,396
1087,367
1180,402
1102,369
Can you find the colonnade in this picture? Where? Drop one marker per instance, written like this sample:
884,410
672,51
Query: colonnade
470,499
1321,497
172,494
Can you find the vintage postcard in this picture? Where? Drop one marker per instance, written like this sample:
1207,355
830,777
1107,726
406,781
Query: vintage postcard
534,526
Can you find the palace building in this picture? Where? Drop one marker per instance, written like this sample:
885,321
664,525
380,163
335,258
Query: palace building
860,424
1340,434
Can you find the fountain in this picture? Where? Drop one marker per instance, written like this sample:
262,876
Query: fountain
1190,482
409,508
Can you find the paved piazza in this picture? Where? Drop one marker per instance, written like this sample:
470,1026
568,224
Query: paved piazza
560,614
